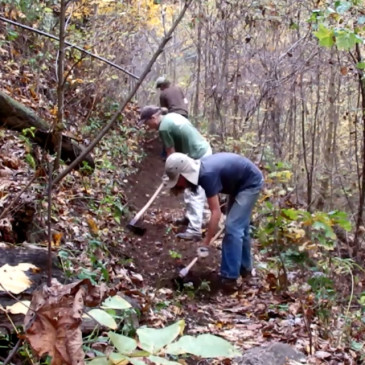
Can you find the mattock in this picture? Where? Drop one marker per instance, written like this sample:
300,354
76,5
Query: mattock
204,253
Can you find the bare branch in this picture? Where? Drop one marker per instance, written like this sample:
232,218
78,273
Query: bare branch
70,45
102,133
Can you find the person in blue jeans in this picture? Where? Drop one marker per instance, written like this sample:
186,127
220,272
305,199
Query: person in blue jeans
226,173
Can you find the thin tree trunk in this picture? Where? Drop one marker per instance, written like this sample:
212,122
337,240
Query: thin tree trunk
59,127
198,61
359,220
304,144
328,157
314,137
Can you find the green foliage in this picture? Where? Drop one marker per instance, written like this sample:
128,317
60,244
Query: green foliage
346,39
12,35
325,36
335,24
116,302
153,345
29,131
30,161
103,318
175,254
300,228
86,169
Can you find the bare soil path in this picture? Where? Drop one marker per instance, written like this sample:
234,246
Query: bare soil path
158,254
248,318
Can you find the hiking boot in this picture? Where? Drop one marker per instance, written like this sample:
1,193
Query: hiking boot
246,273
181,221
229,286
192,236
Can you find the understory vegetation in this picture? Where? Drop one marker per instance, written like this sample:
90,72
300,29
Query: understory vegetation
281,82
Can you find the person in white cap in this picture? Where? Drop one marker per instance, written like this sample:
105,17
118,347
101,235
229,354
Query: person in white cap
179,135
226,173
172,97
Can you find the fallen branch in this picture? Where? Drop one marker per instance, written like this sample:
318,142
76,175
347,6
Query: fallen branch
102,133
17,117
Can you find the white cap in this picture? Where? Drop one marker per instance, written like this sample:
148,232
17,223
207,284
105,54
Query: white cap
161,81
179,164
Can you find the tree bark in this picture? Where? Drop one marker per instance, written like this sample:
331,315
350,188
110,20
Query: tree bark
325,199
59,126
360,211
198,60
17,117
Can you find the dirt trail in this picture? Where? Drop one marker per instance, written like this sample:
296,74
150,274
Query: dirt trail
154,254
250,317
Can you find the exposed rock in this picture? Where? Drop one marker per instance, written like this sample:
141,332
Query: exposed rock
274,354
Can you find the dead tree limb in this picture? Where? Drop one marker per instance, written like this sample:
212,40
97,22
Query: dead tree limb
70,45
102,133
17,117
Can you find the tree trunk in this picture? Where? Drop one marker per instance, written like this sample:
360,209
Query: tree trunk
198,61
16,116
59,127
360,211
328,151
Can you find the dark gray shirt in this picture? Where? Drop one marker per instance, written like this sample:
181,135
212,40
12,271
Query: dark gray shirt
172,98
228,173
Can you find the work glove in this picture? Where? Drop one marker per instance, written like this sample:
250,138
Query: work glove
202,251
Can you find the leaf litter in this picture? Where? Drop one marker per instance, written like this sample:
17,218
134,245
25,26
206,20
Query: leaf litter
142,269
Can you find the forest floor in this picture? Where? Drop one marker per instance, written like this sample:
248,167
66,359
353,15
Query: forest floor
144,268
252,316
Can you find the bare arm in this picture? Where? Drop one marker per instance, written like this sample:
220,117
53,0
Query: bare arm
215,217
170,150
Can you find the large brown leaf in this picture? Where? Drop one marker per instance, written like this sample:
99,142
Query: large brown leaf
52,323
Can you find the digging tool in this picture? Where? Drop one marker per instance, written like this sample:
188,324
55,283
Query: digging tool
202,252
132,224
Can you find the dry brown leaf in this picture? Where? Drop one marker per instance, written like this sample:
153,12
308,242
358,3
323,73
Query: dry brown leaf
56,239
92,226
53,321
10,161
344,70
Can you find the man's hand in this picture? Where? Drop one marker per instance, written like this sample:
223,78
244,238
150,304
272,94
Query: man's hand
202,251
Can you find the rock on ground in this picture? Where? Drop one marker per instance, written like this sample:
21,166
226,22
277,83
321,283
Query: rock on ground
274,354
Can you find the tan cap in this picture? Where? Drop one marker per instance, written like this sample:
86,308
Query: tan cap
147,112
179,164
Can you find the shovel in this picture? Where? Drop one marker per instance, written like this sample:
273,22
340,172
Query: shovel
132,224
205,253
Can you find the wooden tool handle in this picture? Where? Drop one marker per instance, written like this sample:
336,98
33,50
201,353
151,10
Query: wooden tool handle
192,263
217,235
141,212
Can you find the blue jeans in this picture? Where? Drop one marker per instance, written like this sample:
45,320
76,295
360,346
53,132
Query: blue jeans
236,245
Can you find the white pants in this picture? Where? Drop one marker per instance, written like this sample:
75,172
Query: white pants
195,202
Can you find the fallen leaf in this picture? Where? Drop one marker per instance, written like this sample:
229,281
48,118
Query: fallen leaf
137,277
13,279
92,226
52,325
104,318
56,239
322,354
21,307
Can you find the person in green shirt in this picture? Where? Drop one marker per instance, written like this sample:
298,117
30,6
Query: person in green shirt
179,135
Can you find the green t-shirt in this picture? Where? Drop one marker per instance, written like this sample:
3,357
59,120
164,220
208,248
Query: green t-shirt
176,131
